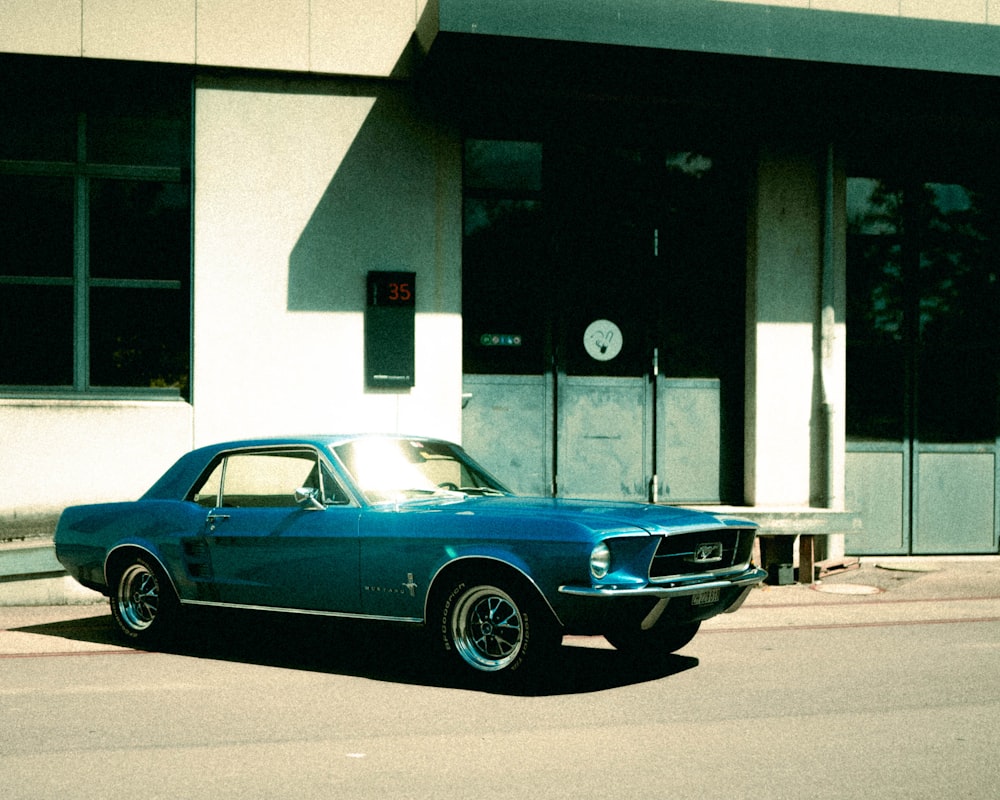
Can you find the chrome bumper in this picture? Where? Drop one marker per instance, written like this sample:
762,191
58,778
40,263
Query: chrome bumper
748,578
745,580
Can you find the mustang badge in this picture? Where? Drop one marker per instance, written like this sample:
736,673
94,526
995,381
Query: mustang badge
706,553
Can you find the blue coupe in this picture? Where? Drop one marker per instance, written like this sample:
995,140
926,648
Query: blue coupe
409,530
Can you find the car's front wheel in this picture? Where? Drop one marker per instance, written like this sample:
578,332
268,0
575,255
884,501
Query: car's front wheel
143,603
660,640
495,627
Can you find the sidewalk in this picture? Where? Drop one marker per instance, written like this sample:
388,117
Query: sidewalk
882,591
895,578
30,575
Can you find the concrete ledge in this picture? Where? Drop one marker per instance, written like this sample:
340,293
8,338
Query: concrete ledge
62,591
775,547
793,520
30,575
29,559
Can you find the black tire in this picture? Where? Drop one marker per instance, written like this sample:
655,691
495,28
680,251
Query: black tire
660,640
495,628
143,602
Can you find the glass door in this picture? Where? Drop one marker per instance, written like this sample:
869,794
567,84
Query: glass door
923,366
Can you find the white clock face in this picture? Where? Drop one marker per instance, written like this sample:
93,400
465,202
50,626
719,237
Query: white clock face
602,340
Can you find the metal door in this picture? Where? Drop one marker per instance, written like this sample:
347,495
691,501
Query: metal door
581,292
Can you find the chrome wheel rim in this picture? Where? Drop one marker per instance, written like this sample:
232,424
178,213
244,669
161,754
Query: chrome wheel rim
487,628
138,597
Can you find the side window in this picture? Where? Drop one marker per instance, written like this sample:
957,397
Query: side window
333,492
207,494
267,480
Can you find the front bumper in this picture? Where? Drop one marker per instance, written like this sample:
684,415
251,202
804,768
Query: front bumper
596,608
750,577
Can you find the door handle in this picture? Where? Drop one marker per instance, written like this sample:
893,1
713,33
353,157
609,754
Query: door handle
213,518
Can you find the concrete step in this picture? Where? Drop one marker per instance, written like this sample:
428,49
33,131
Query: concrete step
24,561
30,575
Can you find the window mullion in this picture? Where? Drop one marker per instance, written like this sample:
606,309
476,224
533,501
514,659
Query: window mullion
81,268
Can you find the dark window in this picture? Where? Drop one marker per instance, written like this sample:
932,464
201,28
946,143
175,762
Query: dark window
505,286
923,311
36,226
876,352
95,231
36,335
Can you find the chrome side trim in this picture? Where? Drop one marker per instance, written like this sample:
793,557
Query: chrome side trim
748,579
301,611
497,559
698,576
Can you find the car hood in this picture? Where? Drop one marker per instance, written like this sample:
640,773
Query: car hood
593,514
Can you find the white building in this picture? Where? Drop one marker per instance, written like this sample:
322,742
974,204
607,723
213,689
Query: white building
726,253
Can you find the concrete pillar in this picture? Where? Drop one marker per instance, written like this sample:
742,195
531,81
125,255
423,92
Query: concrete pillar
795,332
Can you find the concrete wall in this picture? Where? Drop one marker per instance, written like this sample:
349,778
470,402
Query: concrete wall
359,37
300,189
57,452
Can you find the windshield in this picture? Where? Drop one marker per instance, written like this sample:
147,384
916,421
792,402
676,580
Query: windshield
399,469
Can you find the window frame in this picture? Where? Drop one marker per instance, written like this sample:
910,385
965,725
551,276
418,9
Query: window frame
220,465
81,282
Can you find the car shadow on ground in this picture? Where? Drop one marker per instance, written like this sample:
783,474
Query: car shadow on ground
383,652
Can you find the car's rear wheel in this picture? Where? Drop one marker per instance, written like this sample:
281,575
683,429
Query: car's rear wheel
495,628
143,603
660,640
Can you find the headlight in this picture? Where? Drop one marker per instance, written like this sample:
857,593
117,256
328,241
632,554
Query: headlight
600,561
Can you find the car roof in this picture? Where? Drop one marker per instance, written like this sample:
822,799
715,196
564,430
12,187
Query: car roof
177,480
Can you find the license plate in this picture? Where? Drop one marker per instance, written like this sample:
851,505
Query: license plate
705,597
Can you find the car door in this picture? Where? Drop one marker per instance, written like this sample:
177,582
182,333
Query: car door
271,549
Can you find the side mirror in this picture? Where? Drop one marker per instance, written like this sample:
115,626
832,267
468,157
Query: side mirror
309,499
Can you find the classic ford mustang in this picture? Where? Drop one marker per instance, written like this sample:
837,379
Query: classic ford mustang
409,530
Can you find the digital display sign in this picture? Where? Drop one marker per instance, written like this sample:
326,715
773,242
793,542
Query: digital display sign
392,289
389,330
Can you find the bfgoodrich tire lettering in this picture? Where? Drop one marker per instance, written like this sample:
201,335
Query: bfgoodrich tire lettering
493,627
143,603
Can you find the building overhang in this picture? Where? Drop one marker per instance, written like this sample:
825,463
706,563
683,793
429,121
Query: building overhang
756,67
726,28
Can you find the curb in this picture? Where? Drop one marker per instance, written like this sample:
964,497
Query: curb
30,575
64,591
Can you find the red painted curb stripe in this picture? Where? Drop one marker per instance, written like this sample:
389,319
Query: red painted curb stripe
76,653
887,624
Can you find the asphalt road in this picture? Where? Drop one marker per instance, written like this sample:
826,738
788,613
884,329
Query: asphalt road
797,695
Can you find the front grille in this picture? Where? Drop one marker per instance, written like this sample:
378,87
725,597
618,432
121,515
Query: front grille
701,551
